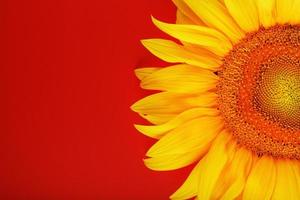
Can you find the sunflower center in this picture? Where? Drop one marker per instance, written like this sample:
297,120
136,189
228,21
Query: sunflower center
278,91
259,91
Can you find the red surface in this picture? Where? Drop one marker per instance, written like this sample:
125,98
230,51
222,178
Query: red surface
66,84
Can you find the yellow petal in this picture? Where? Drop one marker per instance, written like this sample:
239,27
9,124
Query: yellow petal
295,13
261,181
171,162
237,173
172,103
189,188
296,168
283,11
193,135
144,72
185,10
158,118
159,130
171,52
209,38
214,14
286,186
212,165
181,78
245,13
266,12
182,18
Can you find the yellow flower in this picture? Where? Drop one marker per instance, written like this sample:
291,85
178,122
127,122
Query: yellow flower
231,100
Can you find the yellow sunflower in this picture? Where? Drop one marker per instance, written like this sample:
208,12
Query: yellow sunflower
230,101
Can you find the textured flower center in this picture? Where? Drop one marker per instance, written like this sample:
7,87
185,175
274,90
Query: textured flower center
259,91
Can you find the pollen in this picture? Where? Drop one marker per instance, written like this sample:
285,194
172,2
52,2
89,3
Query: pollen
259,91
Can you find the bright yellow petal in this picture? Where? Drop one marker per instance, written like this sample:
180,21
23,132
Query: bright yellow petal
171,52
185,10
212,165
182,18
261,181
158,118
286,186
159,130
171,103
296,168
172,162
237,173
193,135
283,11
245,13
206,37
295,13
214,14
189,188
181,78
222,183
144,72
266,12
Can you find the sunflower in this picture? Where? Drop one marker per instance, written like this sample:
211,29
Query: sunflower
229,102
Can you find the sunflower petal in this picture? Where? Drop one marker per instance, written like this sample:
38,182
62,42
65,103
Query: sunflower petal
171,162
159,130
212,165
182,18
189,188
286,186
180,78
213,13
171,52
283,11
172,103
144,72
245,13
158,118
261,181
296,168
195,134
266,12
295,13
209,38
185,10
238,171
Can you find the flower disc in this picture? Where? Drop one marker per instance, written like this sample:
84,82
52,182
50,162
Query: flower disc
259,91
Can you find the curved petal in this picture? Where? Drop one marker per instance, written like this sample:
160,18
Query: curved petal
237,173
171,52
159,130
193,135
181,78
245,13
173,103
266,12
212,165
296,169
182,18
206,37
295,13
172,161
214,14
184,9
189,188
286,186
283,11
158,118
261,181
141,73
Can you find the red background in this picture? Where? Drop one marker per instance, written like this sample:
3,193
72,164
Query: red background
66,84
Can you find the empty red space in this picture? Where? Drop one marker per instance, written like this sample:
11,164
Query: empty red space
66,85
